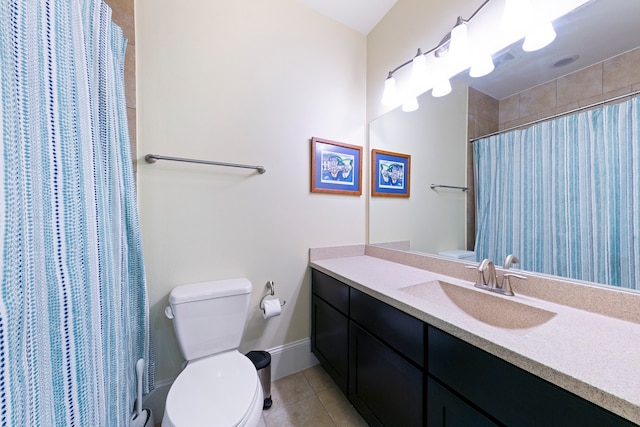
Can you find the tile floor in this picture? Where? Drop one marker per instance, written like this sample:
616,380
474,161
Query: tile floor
308,398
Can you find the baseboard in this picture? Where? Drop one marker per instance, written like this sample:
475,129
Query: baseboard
285,360
291,358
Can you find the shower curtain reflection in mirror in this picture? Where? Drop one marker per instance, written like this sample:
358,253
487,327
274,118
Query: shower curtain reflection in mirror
564,196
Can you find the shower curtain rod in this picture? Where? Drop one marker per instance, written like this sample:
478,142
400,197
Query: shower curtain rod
151,158
575,110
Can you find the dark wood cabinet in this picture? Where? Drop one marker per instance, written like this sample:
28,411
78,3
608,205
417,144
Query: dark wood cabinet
398,371
330,327
386,360
509,394
399,330
446,409
384,386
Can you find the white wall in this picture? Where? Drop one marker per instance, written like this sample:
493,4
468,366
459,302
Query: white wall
243,81
435,136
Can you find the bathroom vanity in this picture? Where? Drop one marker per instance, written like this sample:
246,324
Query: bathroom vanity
411,342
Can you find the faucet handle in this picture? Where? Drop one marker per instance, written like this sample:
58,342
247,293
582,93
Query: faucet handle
506,289
481,281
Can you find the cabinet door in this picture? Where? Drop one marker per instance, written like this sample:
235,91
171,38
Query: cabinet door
400,331
445,409
330,340
509,394
384,387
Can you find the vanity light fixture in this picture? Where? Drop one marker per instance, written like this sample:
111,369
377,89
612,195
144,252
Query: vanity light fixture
517,15
482,66
390,95
459,45
410,104
441,88
540,37
419,76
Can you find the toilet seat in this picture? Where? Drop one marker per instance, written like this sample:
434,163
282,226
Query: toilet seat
219,390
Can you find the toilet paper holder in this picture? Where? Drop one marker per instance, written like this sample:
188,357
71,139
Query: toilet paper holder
272,292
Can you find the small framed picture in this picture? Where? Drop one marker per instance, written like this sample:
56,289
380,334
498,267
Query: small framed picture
390,174
335,167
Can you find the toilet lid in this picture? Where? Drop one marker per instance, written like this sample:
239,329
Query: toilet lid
217,390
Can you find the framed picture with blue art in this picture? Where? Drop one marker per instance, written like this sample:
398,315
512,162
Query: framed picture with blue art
390,174
335,167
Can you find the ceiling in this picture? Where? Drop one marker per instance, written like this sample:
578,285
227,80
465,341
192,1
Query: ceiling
594,32
361,15
598,30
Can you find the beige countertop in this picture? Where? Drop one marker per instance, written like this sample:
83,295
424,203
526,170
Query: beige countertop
592,355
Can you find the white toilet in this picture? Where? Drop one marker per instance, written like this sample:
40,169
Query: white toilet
219,386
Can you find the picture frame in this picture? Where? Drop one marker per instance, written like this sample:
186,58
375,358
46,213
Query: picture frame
336,167
390,174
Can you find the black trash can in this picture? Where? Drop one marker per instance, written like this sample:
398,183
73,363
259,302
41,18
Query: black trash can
262,361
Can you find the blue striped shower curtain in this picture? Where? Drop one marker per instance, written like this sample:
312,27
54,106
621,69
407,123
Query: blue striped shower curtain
73,303
564,196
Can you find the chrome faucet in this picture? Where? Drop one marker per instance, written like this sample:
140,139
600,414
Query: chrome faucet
510,259
490,268
486,266
505,286
491,283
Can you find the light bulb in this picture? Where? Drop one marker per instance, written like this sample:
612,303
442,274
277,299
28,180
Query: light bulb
390,94
482,66
540,37
516,17
459,45
410,104
419,77
442,88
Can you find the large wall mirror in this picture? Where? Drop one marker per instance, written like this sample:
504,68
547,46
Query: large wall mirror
436,135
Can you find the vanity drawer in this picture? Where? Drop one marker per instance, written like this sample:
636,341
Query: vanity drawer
331,290
509,394
397,329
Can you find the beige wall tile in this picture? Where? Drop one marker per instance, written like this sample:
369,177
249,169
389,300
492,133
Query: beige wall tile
131,119
616,93
519,122
538,99
122,15
592,100
597,83
581,84
483,106
509,109
483,127
471,126
130,75
621,71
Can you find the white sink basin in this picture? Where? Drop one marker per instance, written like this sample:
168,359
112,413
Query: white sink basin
484,306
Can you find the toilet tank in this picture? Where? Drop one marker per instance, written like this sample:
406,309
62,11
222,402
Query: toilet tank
209,317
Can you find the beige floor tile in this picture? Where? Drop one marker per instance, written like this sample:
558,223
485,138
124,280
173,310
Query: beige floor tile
290,389
340,409
318,378
261,423
304,413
